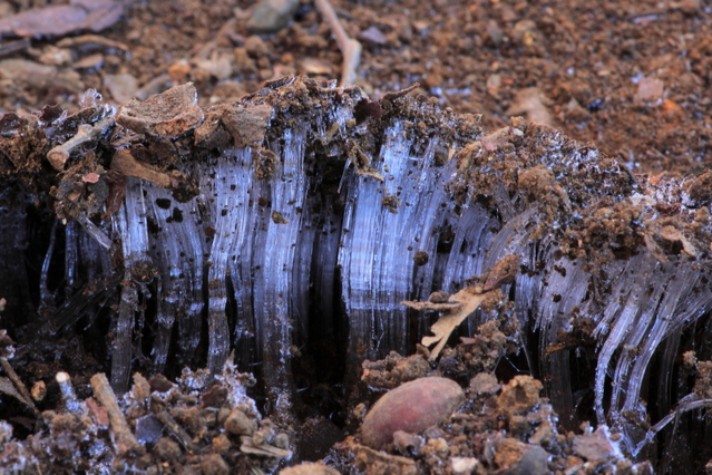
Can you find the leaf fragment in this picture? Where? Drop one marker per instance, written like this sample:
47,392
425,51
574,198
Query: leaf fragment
455,310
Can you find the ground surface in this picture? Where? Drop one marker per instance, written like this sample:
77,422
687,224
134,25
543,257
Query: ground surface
631,77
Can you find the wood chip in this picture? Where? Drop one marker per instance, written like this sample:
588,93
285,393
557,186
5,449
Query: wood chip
171,113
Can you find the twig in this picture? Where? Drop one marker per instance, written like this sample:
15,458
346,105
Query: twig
350,48
69,397
126,164
83,40
175,429
18,384
124,439
59,155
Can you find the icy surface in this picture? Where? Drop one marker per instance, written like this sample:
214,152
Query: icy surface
178,249
130,225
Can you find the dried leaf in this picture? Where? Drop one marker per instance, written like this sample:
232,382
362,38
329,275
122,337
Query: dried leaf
265,449
8,389
456,310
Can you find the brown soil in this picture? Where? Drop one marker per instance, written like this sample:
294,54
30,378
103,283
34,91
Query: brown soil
631,77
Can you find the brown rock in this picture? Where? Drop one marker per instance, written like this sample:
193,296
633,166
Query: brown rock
411,407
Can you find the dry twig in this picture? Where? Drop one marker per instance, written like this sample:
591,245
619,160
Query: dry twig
350,48
123,437
59,155
126,164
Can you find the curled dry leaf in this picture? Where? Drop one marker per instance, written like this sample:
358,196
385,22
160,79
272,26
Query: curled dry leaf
170,113
456,310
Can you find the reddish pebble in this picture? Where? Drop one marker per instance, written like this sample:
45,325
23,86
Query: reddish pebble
411,407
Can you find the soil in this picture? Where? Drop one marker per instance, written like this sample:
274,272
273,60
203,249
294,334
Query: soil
632,79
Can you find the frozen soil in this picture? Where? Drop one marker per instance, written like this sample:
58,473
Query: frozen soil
630,78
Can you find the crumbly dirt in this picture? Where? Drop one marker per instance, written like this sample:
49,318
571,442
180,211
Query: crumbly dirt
633,78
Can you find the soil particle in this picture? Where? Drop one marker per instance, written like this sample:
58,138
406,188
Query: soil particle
214,464
394,370
517,458
519,396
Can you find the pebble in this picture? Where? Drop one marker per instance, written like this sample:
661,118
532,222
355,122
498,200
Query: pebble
272,15
649,90
412,407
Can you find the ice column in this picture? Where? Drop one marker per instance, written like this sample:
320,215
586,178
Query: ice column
131,228
178,247
388,232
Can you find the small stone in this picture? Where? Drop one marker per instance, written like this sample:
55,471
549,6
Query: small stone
148,429
514,457
179,70
255,47
411,407
373,35
122,87
485,384
535,461
221,444
595,446
269,16
167,449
